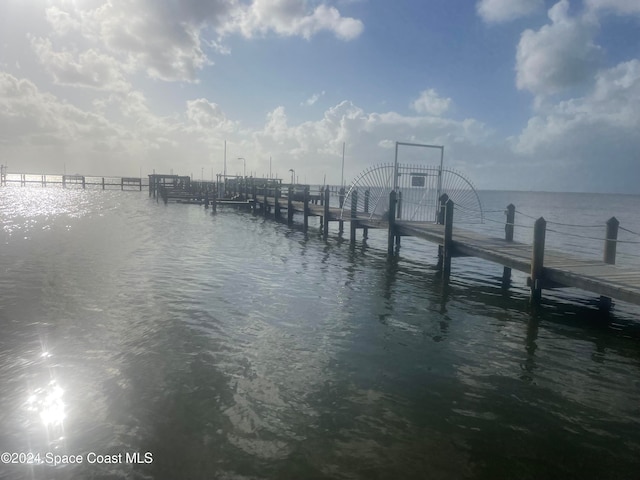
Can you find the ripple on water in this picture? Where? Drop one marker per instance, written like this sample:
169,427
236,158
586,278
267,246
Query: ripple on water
230,345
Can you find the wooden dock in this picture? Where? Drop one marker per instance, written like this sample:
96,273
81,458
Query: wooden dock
560,269
547,269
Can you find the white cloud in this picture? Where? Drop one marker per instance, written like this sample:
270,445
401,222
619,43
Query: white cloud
622,7
89,69
169,40
497,11
40,132
207,116
28,115
64,22
153,36
558,56
312,99
595,135
292,18
430,103
315,147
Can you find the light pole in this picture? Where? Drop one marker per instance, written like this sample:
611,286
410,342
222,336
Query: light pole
293,175
244,166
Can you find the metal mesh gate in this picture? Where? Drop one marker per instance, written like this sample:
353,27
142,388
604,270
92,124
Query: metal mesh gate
418,189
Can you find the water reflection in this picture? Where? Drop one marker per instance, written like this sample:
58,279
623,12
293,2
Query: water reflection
45,402
238,348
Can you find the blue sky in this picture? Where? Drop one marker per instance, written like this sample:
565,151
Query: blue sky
523,94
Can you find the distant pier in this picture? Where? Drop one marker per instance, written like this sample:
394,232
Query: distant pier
78,181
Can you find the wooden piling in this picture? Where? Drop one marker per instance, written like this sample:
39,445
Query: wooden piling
398,216
276,203
392,222
443,205
367,196
254,197
353,224
264,205
508,236
306,208
290,206
537,260
325,225
341,203
447,244
609,257
611,241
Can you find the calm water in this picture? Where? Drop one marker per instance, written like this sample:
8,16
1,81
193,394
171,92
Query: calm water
237,348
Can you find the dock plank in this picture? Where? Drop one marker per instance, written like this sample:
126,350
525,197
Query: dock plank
560,268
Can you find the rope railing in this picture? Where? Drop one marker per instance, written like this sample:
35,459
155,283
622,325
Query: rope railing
502,222
574,225
559,232
474,210
631,242
629,231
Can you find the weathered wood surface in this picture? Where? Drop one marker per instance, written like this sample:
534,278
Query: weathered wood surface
560,269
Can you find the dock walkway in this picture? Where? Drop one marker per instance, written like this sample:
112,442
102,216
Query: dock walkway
560,269
547,268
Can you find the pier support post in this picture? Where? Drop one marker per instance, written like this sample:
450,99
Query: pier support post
610,245
611,241
290,206
447,245
325,224
341,203
393,200
254,196
443,205
341,199
353,223
305,226
367,196
399,215
537,260
508,236
276,203
214,202
264,205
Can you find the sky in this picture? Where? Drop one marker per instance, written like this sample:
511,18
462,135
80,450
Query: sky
522,94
